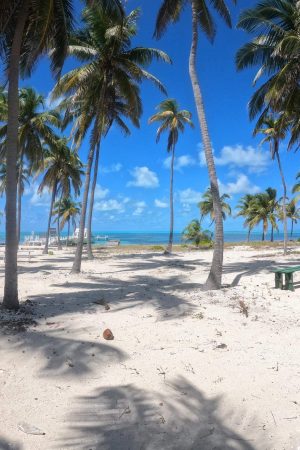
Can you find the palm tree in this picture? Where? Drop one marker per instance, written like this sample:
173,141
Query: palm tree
275,50
244,207
111,67
201,18
28,29
68,210
194,234
172,121
293,213
34,130
273,132
261,209
24,179
63,172
207,208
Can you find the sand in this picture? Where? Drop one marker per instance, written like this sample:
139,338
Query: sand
186,369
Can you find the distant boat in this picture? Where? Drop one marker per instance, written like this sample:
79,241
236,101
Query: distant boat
101,238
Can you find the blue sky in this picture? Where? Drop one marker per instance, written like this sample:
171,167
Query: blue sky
133,183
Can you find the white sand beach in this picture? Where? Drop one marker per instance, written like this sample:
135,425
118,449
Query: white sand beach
186,369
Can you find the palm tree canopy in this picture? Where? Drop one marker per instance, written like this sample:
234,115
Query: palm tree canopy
206,205
48,26
24,178
275,50
68,210
110,71
263,208
172,120
171,10
194,233
35,126
63,169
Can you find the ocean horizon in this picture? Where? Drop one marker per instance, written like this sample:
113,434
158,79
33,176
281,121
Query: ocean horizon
161,237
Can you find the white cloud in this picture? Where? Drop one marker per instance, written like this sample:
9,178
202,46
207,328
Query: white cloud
37,199
256,160
100,192
242,185
160,203
143,177
179,162
112,168
189,196
109,205
140,206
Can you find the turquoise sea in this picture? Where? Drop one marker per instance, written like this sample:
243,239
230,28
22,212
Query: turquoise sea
152,238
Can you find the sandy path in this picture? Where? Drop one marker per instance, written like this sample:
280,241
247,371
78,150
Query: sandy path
163,383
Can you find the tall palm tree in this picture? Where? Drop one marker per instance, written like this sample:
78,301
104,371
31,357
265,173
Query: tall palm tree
63,172
173,121
202,19
28,28
245,211
111,66
207,208
271,128
35,129
68,210
261,209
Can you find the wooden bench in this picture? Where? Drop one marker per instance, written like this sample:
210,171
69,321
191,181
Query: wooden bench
288,272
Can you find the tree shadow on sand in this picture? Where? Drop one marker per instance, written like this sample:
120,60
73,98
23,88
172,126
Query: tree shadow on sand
67,356
9,445
88,295
129,418
251,268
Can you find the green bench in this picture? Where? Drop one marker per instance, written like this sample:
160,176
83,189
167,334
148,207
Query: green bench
288,271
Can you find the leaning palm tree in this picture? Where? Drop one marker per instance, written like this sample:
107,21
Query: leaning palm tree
201,19
35,129
28,28
63,172
67,210
111,67
271,128
173,121
207,208
244,211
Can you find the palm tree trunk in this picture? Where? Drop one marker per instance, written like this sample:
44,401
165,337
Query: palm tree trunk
19,191
78,255
10,299
59,246
285,231
248,235
215,276
170,244
263,234
45,251
68,237
272,234
91,206
292,228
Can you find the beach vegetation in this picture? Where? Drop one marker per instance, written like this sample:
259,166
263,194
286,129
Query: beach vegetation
193,234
